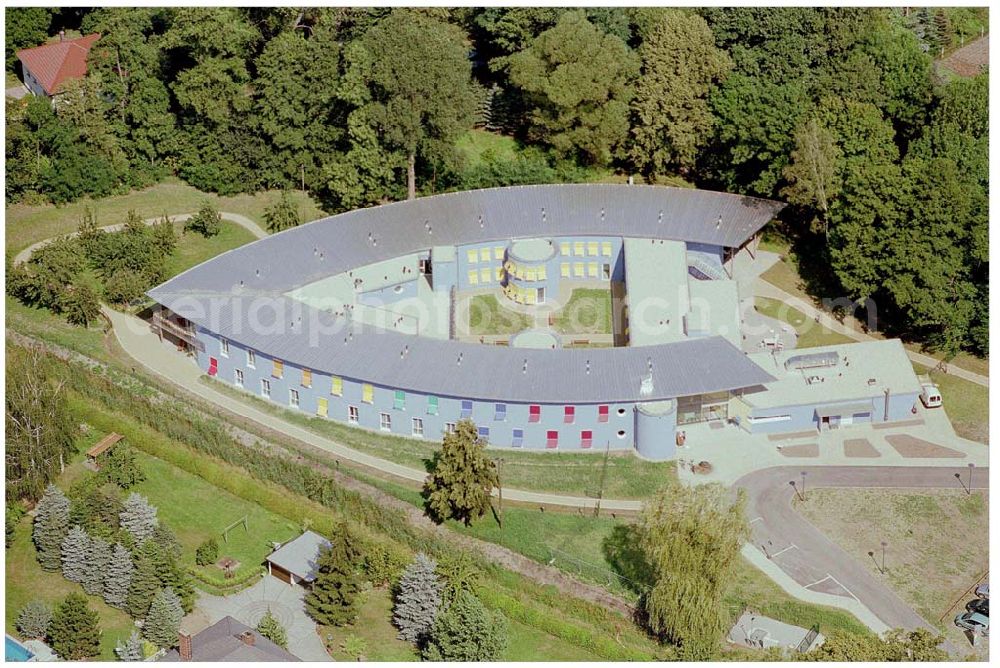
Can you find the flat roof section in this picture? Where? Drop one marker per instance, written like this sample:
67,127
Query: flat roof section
862,371
656,282
532,250
715,310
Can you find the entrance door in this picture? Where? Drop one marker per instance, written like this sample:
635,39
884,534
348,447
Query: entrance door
541,295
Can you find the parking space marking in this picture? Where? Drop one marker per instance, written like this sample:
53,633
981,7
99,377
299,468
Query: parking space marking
783,550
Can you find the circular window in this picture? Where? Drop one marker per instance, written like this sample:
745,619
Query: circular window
621,433
398,289
621,411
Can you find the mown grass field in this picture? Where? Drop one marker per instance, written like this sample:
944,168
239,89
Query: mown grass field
488,316
559,472
193,249
588,311
966,403
810,333
27,224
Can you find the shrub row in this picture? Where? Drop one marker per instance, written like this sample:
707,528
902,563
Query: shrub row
238,581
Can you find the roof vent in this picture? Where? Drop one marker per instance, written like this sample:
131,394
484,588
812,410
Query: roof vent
481,224
258,272
460,359
524,368
602,215
588,367
649,364
659,218
543,214
718,223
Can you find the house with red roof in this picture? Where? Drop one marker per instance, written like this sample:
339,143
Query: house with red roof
47,67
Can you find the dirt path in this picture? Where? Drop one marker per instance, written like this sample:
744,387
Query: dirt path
236,218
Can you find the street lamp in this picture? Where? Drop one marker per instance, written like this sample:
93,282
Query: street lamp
971,466
883,556
803,485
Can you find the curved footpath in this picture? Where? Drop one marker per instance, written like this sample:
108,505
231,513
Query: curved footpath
236,218
803,561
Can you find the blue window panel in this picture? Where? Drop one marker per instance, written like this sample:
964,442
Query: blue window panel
501,412
518,440
484,433
466,409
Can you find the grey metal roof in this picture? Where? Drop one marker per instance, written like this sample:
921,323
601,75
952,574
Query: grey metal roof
299,334
218,294
339,243
221,642
299,556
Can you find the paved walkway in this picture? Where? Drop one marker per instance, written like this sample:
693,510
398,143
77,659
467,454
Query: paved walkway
284,601
236,218
814,568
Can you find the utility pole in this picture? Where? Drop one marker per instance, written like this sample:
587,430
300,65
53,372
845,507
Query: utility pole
499,464
604,477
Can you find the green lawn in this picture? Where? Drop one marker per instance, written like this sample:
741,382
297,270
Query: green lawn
488,316
560,472
474,144
810,333
27,224
193,249
966,403
46,326
588,311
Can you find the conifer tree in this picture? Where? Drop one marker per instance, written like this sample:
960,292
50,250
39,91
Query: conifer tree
283,214
50,528
75,548
271,628
463,477
118,577
418,600
33,620
130,649
144,584
333,597
73,632
467,631
163,620
96,566
138,517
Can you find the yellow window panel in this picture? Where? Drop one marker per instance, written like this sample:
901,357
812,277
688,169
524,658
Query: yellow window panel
564,249
484,254
564,270
473,256
484,275
307,378
499,273
542,273
473,277
367,394
278,369
578,248
591,248
578,269
498,252
321,406
531,297
606,248
529,275
337,386
592,270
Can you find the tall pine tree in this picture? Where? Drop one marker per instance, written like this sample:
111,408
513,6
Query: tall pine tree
75,548
96,567
118,577
51,527
418,600
163,620
462,478
138,517
333,597
74,632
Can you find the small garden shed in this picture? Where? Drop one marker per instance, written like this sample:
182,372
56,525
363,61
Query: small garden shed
295,561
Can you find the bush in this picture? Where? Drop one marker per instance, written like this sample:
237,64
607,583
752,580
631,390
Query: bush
33,620
467,631
384,563
207,553
207,222
271,628
15,511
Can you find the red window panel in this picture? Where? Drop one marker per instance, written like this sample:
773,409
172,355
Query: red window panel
534,413
602,413
569,413
213,366
552,439
586,439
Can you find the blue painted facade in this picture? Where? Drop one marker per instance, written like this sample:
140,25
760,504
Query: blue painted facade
805,417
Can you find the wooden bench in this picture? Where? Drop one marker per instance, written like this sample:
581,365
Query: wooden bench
101,447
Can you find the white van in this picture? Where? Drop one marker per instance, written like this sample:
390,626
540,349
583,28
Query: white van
930,395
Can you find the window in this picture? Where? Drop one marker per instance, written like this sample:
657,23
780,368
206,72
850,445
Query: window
399,401
484,254
542,273
484,434
485,274
564,269
621,433
606,248
592,248
385,422
621,412
498,252
352,414
213,366
578,248
592,270
499,274
417,427
278,368
293,398
578,269
449,427
251,359
473,277
432,405
322,406
602,413
768,418
307,378
606,271
517,440
239,378
466,409
367,393
564,249
569,414
265,388
586,438
501,412
473,256
552,439
534,413
337,386
224,343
